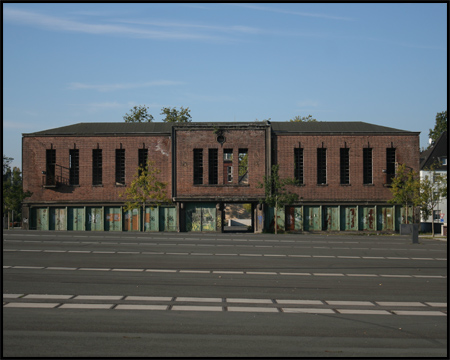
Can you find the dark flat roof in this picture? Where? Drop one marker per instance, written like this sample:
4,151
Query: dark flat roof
122,128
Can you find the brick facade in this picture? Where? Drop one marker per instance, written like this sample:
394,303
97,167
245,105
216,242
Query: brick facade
172,148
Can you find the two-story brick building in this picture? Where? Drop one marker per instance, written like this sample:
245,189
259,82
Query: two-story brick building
77,173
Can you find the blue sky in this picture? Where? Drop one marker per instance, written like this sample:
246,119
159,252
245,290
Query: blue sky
68,63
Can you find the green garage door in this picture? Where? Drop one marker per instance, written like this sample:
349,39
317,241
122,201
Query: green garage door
58,219
200,217
76,218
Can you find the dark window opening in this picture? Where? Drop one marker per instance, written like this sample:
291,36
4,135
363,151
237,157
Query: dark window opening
213,166
198,166
50,175
367,166
390,165
298,165
243,166
345,166
321,166
97,167
74,167
120,166
143,156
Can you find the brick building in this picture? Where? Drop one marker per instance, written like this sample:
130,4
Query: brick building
77,173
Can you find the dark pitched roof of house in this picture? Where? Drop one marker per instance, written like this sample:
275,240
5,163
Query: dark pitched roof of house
435,154
122,128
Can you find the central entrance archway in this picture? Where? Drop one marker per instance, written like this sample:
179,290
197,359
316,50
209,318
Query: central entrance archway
237,217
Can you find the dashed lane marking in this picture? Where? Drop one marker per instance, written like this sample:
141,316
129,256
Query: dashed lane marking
227,254
222,272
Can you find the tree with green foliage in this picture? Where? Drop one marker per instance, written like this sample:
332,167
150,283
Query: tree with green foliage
138,114
13,193
276,195
439,127
433,188
146,188
405,188
176,116
298,118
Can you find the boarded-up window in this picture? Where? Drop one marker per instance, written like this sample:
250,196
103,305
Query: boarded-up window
74,167
143,156
321,166
50,178
367,166
390,165
97,167
213,166
298,165
120,166
345,166
198,166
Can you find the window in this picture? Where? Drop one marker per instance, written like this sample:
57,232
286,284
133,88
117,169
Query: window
367,166
345,166
120,166
243,166
74,167
227,166
198,166
143,156
96,166
390,165
298,165
50,175
321,166
213,166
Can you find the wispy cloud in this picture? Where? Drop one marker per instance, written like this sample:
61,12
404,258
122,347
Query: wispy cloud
125,86
63,24
296,13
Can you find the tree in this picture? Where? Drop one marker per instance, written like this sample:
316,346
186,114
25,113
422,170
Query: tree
138,114
298,118
439,127
174,115
276,195
146,188
405,188
432,189
13,193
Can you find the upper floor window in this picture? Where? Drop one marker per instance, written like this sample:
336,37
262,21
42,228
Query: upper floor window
142,158
50,171
345,166
198,166
213,166
298,165
390,165
120,166
243,166
97,163
321,166
74,167
367,166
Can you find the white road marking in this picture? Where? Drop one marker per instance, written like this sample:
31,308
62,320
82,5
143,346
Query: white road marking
308,310
252,309
198,299
149,298
354,303
98,297
31,305
300,302
86,306
46,296
258,301
399,303
419,313
364,312
140,307
196,308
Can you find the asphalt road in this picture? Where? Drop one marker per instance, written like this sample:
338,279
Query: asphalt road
183,294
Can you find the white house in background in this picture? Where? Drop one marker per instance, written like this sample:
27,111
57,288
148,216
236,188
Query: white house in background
437,154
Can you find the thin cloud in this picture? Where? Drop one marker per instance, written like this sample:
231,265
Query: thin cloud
297,13
125,86
61,24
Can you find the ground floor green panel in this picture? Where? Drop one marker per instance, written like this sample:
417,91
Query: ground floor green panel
103,218
338,218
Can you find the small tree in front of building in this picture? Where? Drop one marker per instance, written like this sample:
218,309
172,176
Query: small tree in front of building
276,195
146,189
405,188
